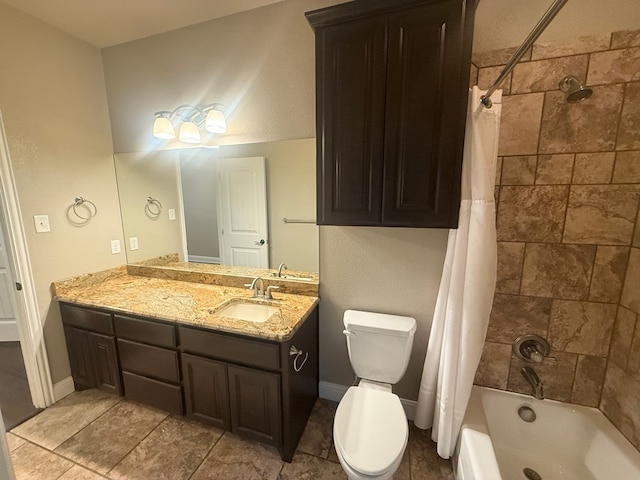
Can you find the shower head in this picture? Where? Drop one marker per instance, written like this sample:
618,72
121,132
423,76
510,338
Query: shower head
574,90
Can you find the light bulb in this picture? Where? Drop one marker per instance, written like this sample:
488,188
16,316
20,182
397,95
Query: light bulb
162,128
189,133
215,122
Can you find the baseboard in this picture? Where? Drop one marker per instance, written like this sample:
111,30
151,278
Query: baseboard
335,392
63,388
203,259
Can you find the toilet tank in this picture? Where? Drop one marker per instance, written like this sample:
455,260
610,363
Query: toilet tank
379,344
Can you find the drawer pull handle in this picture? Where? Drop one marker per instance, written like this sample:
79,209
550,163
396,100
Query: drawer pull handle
293,351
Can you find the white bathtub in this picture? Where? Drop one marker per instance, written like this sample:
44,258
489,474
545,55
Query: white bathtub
564,442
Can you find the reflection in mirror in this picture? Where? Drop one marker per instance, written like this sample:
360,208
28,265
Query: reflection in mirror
186,183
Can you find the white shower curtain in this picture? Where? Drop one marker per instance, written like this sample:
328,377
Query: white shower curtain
467,286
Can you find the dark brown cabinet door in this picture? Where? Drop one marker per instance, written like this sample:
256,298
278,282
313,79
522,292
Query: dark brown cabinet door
80,358
255,404
350,69
106,363
205,390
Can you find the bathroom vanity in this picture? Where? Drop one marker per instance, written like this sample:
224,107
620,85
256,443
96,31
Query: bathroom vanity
164,343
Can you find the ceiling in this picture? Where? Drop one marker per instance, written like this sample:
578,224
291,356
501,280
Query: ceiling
499,23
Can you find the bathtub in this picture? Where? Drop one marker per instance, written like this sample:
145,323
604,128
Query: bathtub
564,442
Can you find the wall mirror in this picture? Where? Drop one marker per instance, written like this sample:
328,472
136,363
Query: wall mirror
186,202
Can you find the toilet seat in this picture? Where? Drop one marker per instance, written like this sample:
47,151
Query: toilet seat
370,430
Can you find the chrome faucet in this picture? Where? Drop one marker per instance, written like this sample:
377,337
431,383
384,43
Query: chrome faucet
258,291
282,266
532,379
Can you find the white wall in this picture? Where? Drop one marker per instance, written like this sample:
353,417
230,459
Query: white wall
52,97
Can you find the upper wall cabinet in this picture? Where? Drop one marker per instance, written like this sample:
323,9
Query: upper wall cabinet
391,94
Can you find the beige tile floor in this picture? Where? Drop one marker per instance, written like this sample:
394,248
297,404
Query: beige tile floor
92,435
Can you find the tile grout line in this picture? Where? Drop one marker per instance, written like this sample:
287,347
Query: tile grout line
204,458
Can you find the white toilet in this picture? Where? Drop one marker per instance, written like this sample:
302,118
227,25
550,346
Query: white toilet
370,428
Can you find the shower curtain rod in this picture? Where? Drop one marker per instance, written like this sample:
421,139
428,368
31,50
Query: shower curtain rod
533,36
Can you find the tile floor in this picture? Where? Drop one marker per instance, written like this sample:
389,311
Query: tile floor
91,435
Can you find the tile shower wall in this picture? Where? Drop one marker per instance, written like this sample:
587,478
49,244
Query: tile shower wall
568,192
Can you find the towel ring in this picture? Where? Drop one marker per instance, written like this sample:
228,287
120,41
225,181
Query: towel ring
153,208
294,351
79,219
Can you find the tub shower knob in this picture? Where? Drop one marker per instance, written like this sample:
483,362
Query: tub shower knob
531,348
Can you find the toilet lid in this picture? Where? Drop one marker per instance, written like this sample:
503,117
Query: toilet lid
370,429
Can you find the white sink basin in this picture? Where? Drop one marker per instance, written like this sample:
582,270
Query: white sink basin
248,311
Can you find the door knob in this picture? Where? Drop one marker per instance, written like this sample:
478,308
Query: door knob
260,242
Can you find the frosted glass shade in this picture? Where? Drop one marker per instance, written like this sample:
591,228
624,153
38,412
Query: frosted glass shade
162,128
215,122
189,133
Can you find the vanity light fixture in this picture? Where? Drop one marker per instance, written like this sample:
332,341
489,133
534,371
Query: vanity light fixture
192,118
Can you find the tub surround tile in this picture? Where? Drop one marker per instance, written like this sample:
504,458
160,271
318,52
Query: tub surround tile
425,462
36,463
574,46
308,467
520,124
493,370
531,214
588,126
65,418
543,75
106,441
614,66
190,443
14,441
555,169
636,235
234,458
581,327
515,315
620,402
556,377
473,75
601,214
627,169
520,170
593,167
487,75
587,385
317,436
622,337
509,271
498,170
630,291
629,129
80,473
557,271
608,274
625,38
633,366
500,56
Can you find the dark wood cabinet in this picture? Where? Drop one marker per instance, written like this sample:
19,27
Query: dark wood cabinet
392,87
258,388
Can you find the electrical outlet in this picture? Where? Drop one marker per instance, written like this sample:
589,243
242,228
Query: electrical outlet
133,243
42,223
115,247
172,213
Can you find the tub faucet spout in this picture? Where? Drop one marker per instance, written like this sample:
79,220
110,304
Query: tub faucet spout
532,379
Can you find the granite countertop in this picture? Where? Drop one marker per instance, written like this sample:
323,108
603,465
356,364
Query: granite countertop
185,303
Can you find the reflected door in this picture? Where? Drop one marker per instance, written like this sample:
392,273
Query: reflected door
8,325
243,212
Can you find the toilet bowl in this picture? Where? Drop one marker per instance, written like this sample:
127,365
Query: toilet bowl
370,429
370,433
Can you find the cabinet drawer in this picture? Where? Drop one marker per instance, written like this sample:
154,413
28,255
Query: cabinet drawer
86,319
154,333
153,393
230,349
148,360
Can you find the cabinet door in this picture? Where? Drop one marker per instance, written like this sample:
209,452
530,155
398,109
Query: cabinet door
425,115
103,349
205,390
80,359
255,404
350,70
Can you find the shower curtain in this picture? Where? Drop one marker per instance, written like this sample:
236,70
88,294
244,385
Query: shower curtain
467,286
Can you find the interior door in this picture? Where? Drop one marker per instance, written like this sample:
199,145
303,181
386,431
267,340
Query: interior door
243,212
8,326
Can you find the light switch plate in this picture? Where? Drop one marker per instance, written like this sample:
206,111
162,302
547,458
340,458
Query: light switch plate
172,213
133,243
115,246
42,223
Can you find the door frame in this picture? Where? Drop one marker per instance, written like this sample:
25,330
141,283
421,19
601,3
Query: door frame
30,327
